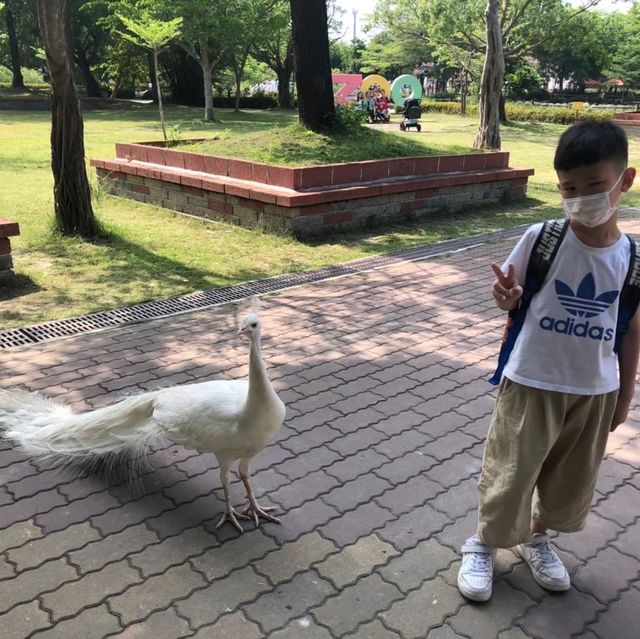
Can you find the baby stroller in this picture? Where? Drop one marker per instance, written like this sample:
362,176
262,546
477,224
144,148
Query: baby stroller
412,113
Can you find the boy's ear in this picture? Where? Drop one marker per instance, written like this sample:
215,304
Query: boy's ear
627,180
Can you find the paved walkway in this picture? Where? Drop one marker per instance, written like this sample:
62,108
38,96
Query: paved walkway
374,473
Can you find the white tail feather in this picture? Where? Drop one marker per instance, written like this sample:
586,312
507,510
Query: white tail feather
47,429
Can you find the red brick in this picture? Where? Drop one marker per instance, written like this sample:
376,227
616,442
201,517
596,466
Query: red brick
145,171
138,152
5,246
497,160
174,158
212,184
316,176
171,176
8,228
192,185
450,163
98,164
524,173
474,161
238,191
259,172
216,165
281,176
375,170
426,165
347,173
155,155
402,167
192,189
194,161
140,188
263,196
123,150
252,204
240,170
487,176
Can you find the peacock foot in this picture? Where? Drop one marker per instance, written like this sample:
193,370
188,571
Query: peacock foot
256,511
230,515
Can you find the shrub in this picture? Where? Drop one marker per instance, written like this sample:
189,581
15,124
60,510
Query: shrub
523,112
348,117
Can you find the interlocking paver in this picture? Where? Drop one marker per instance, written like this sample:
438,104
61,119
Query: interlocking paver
284,562
28,584
570,612
156,592
289,600
98,554
305,626
23,620
38,551
172,551
356,604
355,561
231,626
94,622
409,569
606,574
91,589
160,625
375,474
423,609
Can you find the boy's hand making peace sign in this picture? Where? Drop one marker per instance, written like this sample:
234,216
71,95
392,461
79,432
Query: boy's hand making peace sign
506,290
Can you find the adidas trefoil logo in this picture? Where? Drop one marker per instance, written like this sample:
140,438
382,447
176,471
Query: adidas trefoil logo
584,302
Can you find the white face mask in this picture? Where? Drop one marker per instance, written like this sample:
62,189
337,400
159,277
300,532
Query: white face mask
591,210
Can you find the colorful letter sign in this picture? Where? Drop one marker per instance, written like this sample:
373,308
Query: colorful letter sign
347,85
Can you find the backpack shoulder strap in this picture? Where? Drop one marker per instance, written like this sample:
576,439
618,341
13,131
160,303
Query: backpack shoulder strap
543,252
629,295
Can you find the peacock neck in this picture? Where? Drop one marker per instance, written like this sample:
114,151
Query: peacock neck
259,384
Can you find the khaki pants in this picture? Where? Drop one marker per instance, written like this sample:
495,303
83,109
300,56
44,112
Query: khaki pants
543,447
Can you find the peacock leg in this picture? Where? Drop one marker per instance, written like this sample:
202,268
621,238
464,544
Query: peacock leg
254,509
230,514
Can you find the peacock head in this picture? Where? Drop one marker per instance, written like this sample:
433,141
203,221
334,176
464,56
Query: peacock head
250,325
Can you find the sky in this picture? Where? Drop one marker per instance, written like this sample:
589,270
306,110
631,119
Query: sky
365,6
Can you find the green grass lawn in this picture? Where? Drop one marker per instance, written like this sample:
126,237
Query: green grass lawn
150,253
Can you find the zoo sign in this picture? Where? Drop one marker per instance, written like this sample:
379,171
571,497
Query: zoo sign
347,85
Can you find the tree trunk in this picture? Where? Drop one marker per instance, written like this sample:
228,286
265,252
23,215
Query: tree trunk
205,63
116,87
502,107
153,74
488,135
238,72
72,195
284,91
160,107
316,107
93,88
17,81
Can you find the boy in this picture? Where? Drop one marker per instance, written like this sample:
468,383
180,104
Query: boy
559,394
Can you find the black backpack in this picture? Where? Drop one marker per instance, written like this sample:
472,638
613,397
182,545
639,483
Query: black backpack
542,255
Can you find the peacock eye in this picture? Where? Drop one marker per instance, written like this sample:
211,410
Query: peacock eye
254,325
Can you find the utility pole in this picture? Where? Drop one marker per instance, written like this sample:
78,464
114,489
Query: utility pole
354,68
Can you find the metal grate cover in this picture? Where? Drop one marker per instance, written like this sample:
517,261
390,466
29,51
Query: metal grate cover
163,308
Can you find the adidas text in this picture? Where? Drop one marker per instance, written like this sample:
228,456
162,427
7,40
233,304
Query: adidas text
569,326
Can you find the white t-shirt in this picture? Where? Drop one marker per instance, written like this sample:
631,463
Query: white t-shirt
566,342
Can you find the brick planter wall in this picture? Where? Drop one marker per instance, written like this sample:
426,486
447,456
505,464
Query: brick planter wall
8,228
627,118
306,201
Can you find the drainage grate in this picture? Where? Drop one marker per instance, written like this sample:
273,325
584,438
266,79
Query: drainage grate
203,299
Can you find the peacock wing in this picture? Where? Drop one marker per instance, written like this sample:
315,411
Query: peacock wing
201,416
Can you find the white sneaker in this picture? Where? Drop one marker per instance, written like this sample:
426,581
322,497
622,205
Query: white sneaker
547,568
475,577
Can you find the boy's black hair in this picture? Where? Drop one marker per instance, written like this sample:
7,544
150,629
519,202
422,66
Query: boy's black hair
591,141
